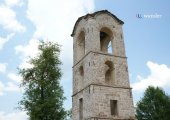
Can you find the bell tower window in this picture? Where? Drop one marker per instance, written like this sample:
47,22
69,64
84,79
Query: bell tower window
81,45
106,41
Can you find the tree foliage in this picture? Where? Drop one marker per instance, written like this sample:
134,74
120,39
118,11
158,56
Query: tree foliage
69,114
43,96
155,105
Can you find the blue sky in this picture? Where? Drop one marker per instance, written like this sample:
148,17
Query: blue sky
24,22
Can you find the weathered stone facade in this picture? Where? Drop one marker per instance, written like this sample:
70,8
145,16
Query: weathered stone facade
101,89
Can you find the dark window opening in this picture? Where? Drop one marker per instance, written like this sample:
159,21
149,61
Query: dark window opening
81,71
81,77
81,109
113,107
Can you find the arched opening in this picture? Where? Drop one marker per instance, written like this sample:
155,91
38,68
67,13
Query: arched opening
109,73
106,40
81,45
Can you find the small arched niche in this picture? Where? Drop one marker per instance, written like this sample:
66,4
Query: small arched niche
106,37
81,70
81,76
80,45
109,73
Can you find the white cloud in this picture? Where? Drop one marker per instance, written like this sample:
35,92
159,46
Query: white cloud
9,21
14,77
57,21
25,64
12,3
4,40
58,18
30,50
9,87
13,116
3,67
1,88
54,20
159,76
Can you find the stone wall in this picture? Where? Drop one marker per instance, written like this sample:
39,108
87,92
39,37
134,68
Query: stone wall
97,102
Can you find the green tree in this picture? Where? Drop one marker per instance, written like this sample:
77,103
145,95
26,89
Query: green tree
43,96
69,114
155,105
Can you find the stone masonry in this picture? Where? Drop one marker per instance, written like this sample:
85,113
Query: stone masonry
101,89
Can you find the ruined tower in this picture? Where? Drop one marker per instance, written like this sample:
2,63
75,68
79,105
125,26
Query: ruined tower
101,89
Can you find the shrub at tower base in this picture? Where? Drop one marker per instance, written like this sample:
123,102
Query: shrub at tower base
155,105
43,96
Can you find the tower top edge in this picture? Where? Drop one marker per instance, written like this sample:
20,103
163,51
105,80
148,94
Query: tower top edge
93,15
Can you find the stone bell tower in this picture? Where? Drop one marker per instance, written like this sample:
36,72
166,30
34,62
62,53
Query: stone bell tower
101,89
